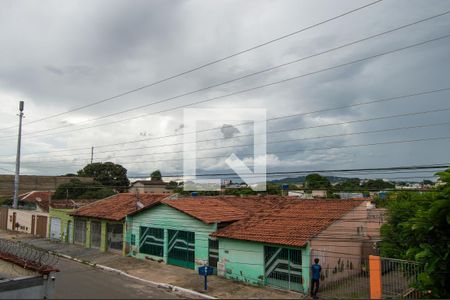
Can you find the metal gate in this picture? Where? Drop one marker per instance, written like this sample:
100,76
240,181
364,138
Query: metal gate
55,228
398,278
181,248
283,268
80,232
213,253
41,226
3,218
70,232
151,241
115,236
96,234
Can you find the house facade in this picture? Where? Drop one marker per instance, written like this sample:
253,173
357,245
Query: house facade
149,186
101,224
60,224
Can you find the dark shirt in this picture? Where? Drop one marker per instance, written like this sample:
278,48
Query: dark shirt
316,268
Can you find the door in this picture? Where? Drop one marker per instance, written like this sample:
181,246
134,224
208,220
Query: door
151,241
181,248
80,232
70,232
14,218
33,224
55,228
213,256
115,236
41,226
283,268
3,218
96,234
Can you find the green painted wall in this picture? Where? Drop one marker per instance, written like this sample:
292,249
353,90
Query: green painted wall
165,217
63,215
242,260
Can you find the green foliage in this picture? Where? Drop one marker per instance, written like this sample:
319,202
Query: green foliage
76,189
317,181
156,175
350,185
418,229
108,174
378,184
172,185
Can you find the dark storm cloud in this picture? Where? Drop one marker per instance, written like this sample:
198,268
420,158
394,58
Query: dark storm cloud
59,57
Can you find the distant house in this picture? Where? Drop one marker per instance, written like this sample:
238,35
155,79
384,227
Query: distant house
319,193
31,216
60,225
149,186
101,224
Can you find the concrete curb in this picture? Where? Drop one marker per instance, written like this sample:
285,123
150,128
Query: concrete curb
177,289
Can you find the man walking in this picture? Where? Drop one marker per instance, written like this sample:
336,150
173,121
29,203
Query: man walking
315,278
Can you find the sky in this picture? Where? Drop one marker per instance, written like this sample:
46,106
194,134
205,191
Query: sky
60,56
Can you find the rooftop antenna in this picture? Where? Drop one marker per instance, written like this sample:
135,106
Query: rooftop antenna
19,140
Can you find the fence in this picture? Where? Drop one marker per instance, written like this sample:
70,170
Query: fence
398,279
28,256
349,276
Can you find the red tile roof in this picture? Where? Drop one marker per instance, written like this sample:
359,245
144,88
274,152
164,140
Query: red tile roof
70,204
117,207
206,209
41,198
292,224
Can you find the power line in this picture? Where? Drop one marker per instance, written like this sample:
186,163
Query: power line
204,65
240,91
279,152
251,144
381,100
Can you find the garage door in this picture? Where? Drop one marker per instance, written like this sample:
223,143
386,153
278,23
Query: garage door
283,268
80,232
55,228
181,248
96,234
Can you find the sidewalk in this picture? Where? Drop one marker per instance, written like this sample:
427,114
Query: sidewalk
157,272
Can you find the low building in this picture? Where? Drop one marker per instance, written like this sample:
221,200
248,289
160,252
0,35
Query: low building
60,224
177,231
149,186
101,224
276,247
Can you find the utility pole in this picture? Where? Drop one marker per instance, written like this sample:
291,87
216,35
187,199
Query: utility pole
92,154
19,140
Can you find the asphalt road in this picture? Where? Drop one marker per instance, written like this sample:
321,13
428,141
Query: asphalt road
79,281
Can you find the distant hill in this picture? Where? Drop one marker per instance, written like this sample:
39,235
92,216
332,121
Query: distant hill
301,179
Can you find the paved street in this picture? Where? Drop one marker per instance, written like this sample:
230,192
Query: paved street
80,281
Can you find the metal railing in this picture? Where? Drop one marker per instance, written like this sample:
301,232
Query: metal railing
28,256
399,278
343,276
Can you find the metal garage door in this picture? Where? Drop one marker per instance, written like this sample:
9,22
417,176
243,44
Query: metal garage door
115,236
96,234
80,232
55,228
70,232
283,268
151,241
181,248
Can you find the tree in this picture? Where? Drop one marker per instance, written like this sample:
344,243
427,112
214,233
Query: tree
156,175
349,185
77,189
317,181
418,228
172,185
108,174
378,184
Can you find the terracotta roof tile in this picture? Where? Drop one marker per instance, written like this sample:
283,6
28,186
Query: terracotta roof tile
117,207
292,224
71,204
41,198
